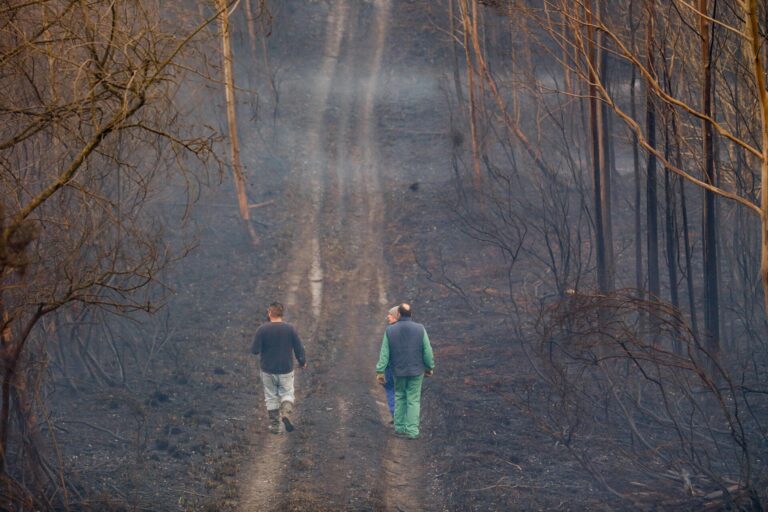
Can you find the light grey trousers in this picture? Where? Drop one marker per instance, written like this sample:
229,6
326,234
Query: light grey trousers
278,388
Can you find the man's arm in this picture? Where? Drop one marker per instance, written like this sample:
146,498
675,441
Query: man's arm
429,356
383,355
298,349
256,347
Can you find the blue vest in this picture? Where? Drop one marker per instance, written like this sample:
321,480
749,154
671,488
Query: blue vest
406,348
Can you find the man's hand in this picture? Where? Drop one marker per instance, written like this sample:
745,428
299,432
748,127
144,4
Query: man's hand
429,372
303,366
381,379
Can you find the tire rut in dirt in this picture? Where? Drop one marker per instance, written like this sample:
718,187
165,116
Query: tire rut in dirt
339,458
266,480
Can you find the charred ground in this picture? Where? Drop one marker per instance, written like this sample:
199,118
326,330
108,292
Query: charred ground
365,183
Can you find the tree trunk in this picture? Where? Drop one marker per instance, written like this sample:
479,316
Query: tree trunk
5,413
229,89
758,70
455,57
606,168
711,300
672,245
651,187
469,23
686,236
9,368
688,261
598,155
251,22
670,229
639,278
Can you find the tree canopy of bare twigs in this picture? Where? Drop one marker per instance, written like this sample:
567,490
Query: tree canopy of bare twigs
651,399
88,125
614,146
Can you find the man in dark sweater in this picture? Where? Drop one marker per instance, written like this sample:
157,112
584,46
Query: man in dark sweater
277,342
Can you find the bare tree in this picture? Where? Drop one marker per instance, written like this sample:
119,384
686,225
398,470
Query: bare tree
686,106
680,416
88,125
680,422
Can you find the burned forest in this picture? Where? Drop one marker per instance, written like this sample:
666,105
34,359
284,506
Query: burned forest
570,196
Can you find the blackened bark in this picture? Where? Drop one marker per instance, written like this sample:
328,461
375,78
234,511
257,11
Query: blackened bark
606,164
686,236
670,229
639,277
455,56
596,129
711,300
651,185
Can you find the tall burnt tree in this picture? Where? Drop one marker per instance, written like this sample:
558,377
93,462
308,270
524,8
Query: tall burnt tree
711,300
597,63
633,24
651,186
755,50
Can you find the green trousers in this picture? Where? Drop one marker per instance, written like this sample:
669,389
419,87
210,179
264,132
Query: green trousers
408,404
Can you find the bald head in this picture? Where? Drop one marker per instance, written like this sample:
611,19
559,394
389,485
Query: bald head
404,310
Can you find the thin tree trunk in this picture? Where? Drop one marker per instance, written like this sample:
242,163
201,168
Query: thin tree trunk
688,261
686,236
251,22
6,349
758,70
264,16
598,157
639,275
5,413
468,28
229,89
651,187
606,168
455,57
568,81
670,229
711,300
671,245
33,461
639,278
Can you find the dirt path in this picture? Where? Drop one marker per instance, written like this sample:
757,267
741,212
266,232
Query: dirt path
343,454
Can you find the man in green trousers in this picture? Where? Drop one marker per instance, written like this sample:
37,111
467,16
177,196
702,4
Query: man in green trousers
406,349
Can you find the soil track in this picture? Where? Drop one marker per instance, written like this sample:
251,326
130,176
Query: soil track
343,454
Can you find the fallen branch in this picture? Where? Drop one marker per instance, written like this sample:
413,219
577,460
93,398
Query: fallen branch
259,205
96,427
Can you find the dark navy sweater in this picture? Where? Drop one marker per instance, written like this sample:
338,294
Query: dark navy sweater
277,342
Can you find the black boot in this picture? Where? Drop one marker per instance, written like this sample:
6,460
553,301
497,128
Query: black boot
274,421
286,408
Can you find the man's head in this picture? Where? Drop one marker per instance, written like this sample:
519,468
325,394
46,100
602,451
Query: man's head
404,310
275,311
393,315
